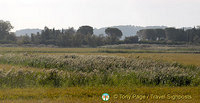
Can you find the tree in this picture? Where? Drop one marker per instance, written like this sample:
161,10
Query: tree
193,35
45,35
114,34
131,39
11,38
147,34
5,28
173,34
160,34
70,31
25,39
66,37
85,30
77,40
36,38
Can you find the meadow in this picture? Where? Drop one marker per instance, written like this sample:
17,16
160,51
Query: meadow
84,74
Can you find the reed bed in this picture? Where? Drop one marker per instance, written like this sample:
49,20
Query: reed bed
94,70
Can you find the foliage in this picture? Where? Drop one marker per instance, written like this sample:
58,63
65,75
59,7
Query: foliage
84,37
170,35
5,35
131,40
85,30
114,34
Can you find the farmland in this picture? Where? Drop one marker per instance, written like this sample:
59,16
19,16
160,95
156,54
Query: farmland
71,74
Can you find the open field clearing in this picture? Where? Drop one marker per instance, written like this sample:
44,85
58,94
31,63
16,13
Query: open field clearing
188,57
138,48
182,58
74,75
46,50
185,59
154,47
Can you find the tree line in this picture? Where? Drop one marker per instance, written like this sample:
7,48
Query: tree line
170,35
84,36
70,37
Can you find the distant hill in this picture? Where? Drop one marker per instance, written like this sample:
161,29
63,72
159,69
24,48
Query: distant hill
27,31
127,30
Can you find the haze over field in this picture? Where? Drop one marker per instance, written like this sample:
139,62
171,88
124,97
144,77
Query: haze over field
99,13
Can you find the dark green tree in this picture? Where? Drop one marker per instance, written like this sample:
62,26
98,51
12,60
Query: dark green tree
5,28
147,35
45,35
25,39
85,30
11,38
114,34
131,39
173,34
193,35
160,34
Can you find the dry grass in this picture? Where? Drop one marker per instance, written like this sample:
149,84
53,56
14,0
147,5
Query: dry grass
36,49
182,58
186,59
7,67
93,94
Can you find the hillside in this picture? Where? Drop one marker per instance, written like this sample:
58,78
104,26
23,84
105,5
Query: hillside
27,31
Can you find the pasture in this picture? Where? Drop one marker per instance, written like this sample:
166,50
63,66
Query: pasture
84,74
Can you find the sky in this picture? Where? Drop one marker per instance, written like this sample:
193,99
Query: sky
99,13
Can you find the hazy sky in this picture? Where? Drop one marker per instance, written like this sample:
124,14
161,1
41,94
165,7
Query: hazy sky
99,13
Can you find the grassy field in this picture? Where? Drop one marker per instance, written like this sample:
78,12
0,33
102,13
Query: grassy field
182,58
183,55
93,94
83,74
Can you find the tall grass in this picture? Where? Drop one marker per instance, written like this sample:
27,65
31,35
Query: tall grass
90,70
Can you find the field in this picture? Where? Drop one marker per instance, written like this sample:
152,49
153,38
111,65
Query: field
126,73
